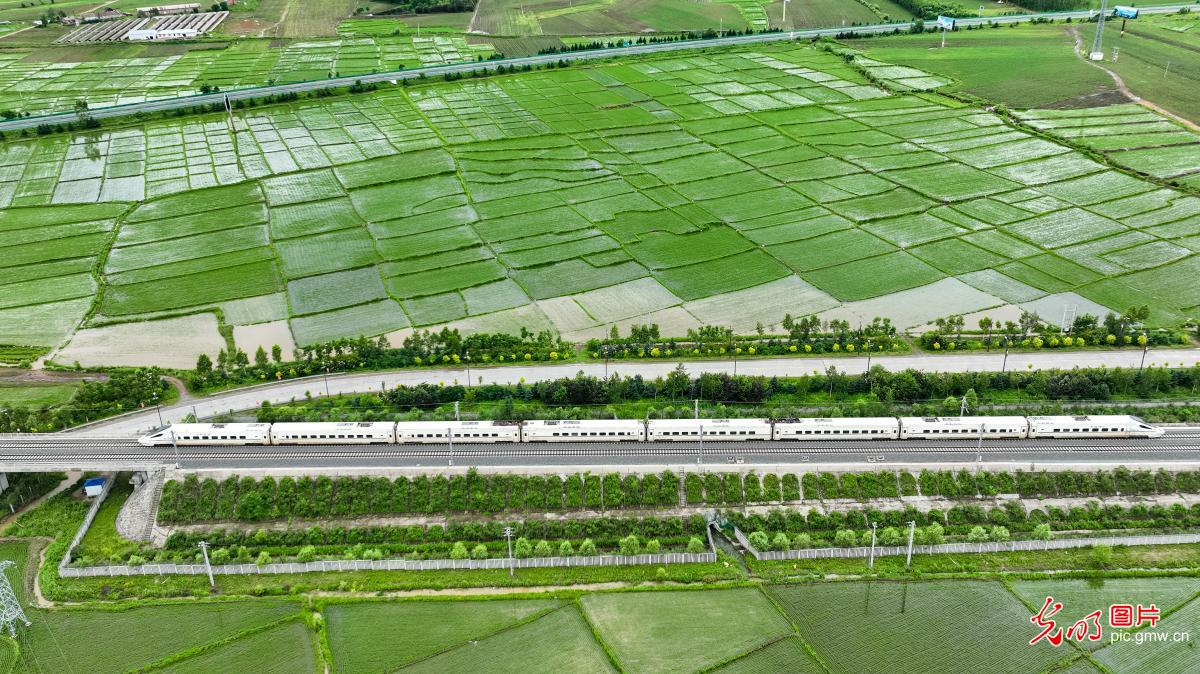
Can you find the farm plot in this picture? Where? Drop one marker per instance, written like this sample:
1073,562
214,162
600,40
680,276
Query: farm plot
706,176
860,627
785,655
46,281
279,650
1172,657
376,636
559,641
1080,598
682,631
141,635
1128,134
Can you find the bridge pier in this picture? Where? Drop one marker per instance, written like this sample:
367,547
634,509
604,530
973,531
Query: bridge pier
3,482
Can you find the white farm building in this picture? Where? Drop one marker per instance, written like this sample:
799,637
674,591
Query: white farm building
167,34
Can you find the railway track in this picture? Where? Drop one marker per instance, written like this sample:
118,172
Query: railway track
55,452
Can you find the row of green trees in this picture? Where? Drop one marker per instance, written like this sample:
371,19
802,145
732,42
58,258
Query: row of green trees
806,335
250,500
447,347
827,388
122,391
960,519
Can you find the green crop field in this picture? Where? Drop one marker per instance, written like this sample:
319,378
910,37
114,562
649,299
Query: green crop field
928,626
474,203
682,631
378,636
58,639
868,627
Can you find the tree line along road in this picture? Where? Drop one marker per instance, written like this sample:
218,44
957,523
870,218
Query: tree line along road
541,59
298,389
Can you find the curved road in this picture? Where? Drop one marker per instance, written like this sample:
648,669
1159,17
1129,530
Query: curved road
297,389
433,71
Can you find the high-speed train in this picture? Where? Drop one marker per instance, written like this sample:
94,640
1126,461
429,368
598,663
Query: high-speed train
655,430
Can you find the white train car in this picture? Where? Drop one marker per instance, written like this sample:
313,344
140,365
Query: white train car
443,432
945,428
710,429
209,434
606,430
334,433
858,428
1096,426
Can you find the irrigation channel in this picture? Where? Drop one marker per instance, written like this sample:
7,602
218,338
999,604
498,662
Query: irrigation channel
231,95
62,452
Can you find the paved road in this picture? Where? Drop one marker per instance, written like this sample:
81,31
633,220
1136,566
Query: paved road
282,392
434,71
63,452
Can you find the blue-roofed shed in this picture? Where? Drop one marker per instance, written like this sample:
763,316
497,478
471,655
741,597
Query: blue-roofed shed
93,486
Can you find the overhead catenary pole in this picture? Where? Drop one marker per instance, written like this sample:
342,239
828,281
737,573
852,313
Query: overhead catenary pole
450,440
696,408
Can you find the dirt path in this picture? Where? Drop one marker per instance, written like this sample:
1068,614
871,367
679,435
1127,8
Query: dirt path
275,26
1121,86
185,396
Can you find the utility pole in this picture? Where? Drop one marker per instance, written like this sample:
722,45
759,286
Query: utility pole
700,457
325,376
1004,365
696,408
606,362
158,408
508,532
868,357
456,409
1145,350
871,561
468,370
207,566
732,352
912,529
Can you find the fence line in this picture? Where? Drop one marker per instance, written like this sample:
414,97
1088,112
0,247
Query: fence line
961,548
388,565
87,521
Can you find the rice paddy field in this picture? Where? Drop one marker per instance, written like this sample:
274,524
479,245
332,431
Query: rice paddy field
729,187
45,81
837,627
